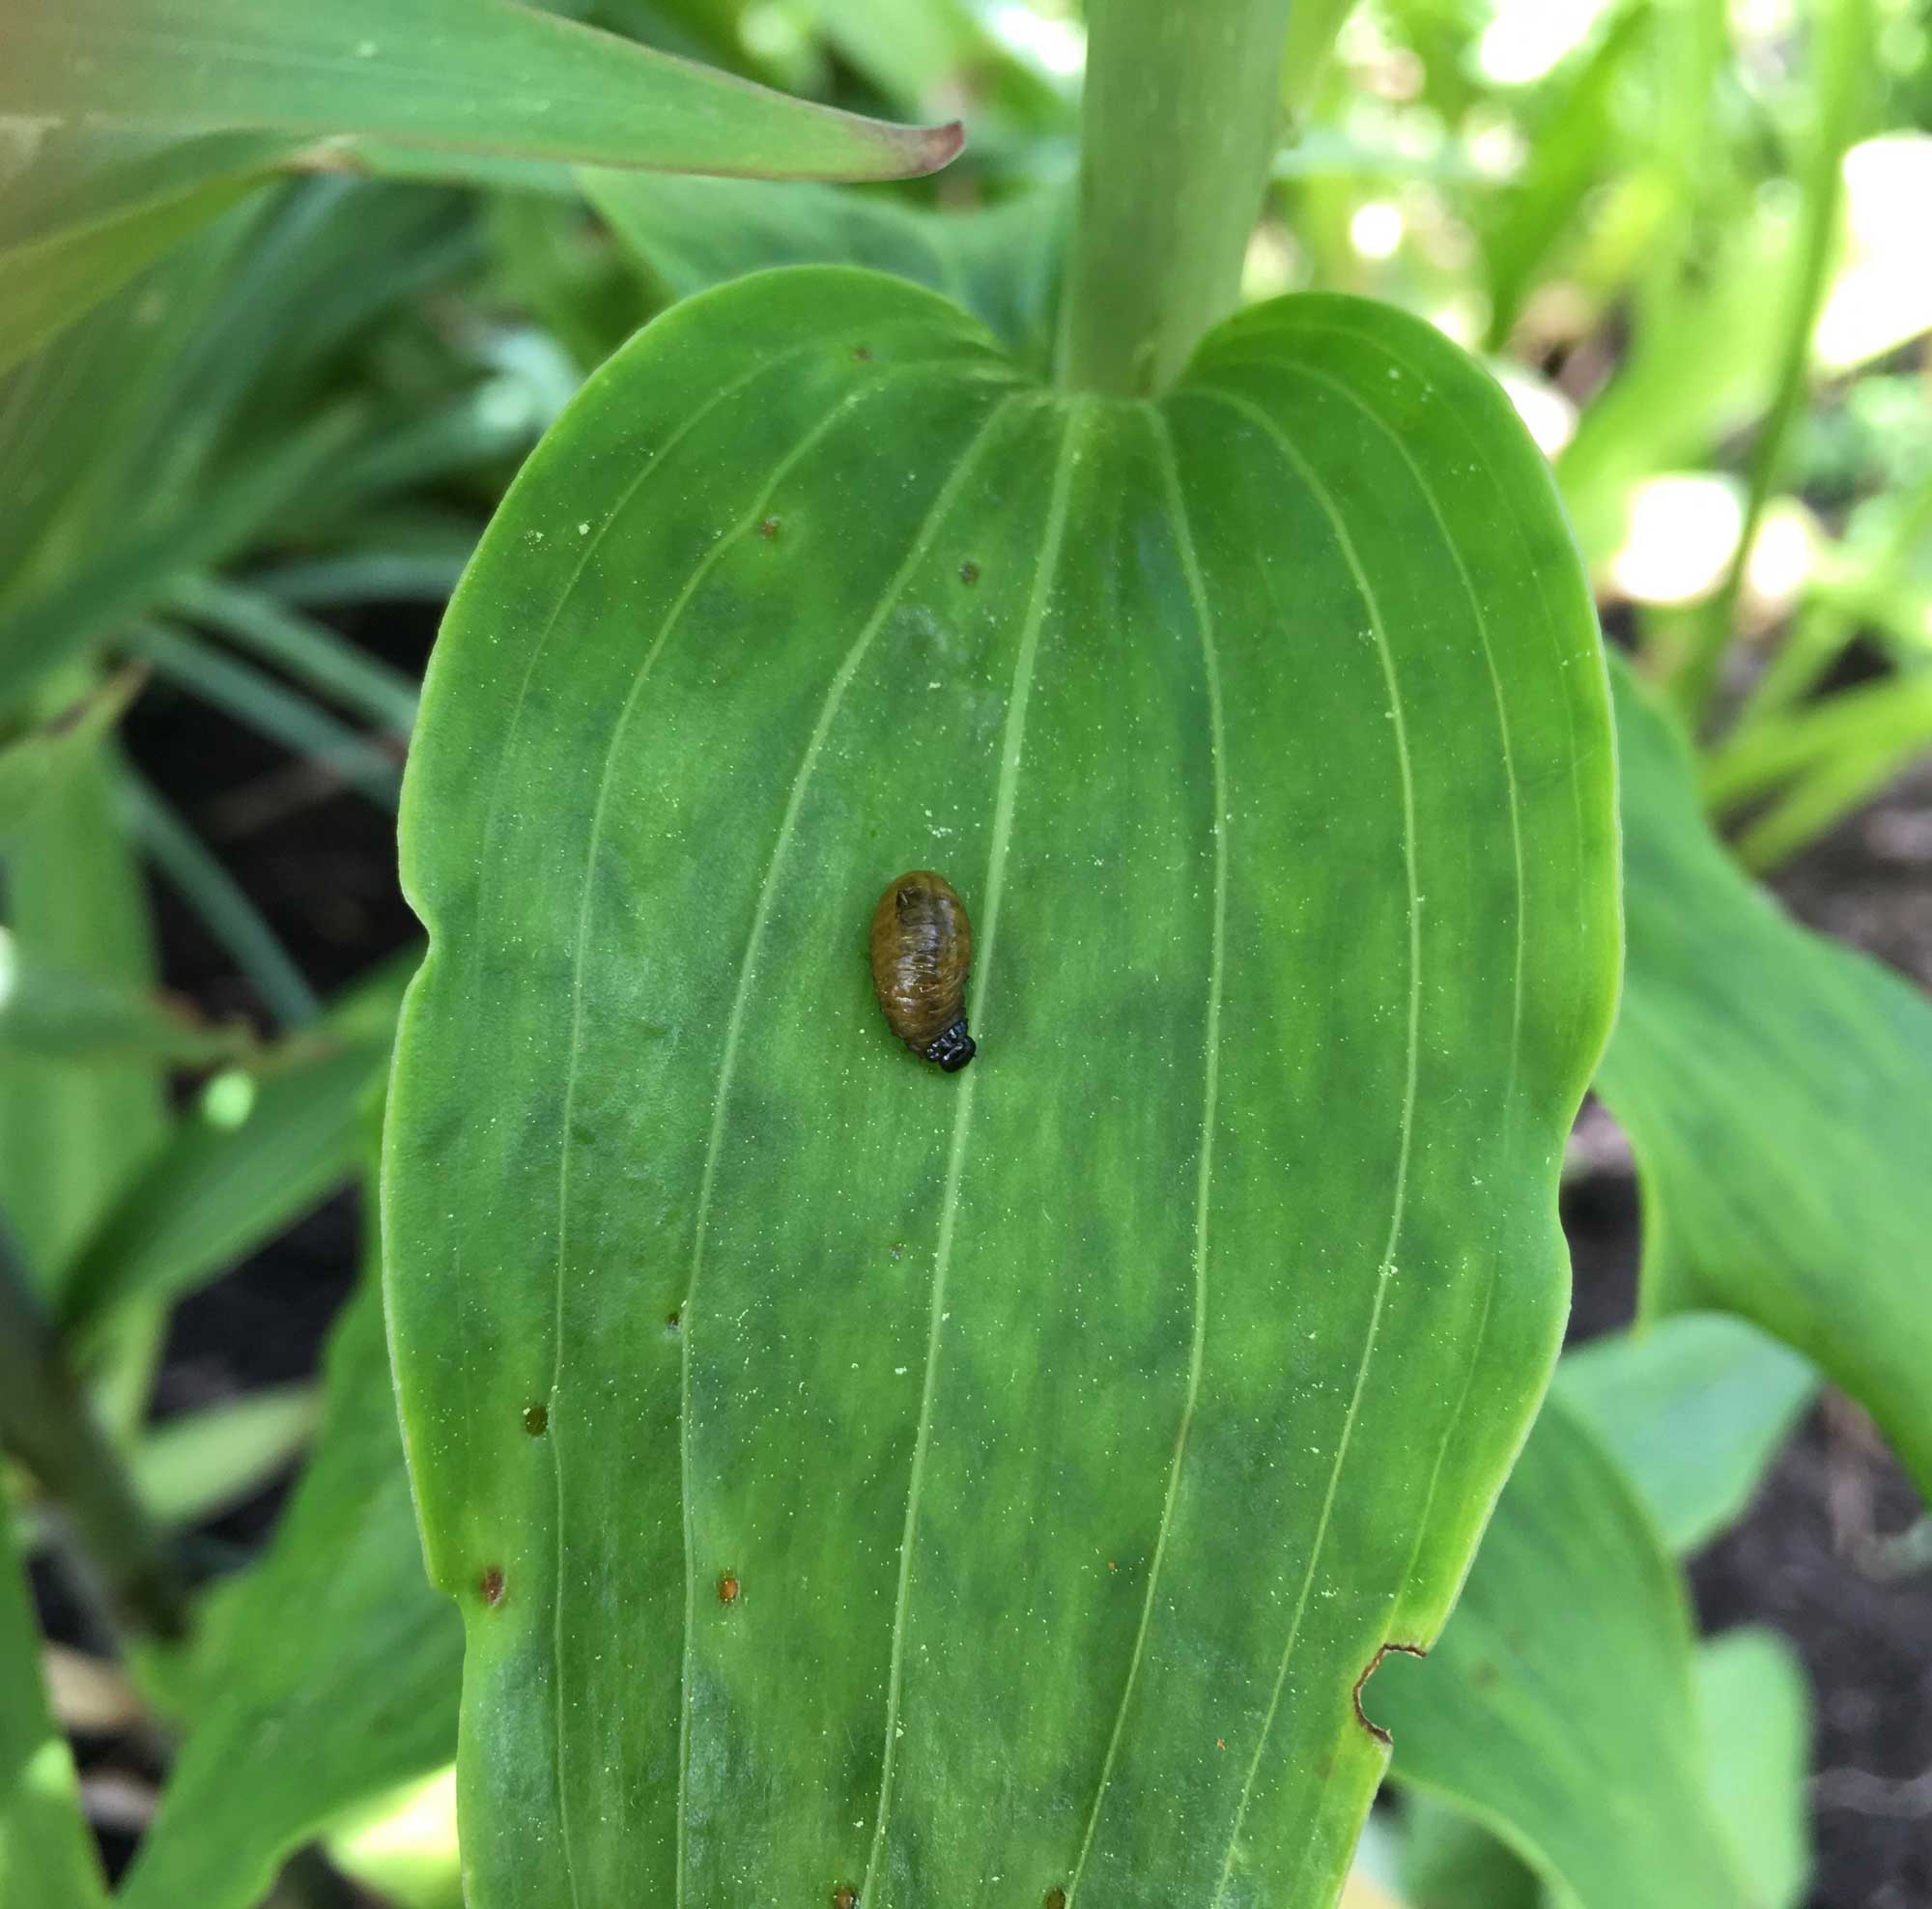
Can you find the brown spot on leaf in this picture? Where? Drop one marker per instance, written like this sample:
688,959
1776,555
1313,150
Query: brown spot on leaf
844,1897
491,1585
1056,1898
728,1587
968,572
864,354
1373,1729
769,529
536,1419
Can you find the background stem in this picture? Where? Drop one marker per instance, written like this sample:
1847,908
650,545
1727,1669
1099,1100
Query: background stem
45,1421
1182,118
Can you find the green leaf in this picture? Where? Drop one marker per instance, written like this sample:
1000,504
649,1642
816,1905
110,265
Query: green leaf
1559,1708
250,1158
47,1855
1777,1088
1450,1861
486,75
91,208
328,1673
1113,1403
1001,265
1696,1408
70,1138
68,1014
201,1462
34,764
1757,1726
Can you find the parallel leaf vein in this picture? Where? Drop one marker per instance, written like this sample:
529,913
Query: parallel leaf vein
1210,664
1010,754
1302,474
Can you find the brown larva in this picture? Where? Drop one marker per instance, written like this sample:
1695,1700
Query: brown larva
922,946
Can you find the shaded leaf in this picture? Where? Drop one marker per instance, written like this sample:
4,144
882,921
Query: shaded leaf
68,1014
484,75
1694,1407
1559,1708
1001,265
255,1154
91,206
1114,1402
47,1855
328,1673
70,1138
1778,1092
32,765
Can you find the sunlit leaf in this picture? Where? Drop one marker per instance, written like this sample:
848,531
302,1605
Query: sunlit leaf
1778,1091
484,75
958,1489
1560,1708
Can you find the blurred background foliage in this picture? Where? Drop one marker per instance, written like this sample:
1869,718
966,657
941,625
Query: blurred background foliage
259,394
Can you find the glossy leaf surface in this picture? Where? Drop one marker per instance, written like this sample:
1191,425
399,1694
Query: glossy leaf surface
1778,1091
487,76
328,1673
960,1487
1560,1708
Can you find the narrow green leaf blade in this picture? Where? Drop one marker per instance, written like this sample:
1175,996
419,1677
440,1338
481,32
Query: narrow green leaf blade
326,1674
1560,1707
34,765
254,1155
1778,1091
94,208
47,1855
1002,264
475,75
960,1489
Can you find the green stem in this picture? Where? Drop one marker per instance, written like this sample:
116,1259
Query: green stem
1842,52
47,1423
1182,118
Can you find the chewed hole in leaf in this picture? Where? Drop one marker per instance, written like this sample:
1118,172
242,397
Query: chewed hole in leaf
1362,1716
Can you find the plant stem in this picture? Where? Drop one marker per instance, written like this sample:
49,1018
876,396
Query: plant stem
1181,117
46,1422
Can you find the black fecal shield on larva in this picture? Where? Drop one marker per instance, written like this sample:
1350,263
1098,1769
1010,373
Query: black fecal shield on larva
922,948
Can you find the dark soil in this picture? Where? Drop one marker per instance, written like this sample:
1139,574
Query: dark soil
1823,1556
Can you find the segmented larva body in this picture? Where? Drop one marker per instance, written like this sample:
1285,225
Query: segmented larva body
922,948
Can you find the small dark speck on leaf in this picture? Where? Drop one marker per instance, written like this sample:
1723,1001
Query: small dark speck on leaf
536,1420
728,1587
491,1585
864,354
844,1897
968,572
898,1249
1056,1898
769,529
672,1321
